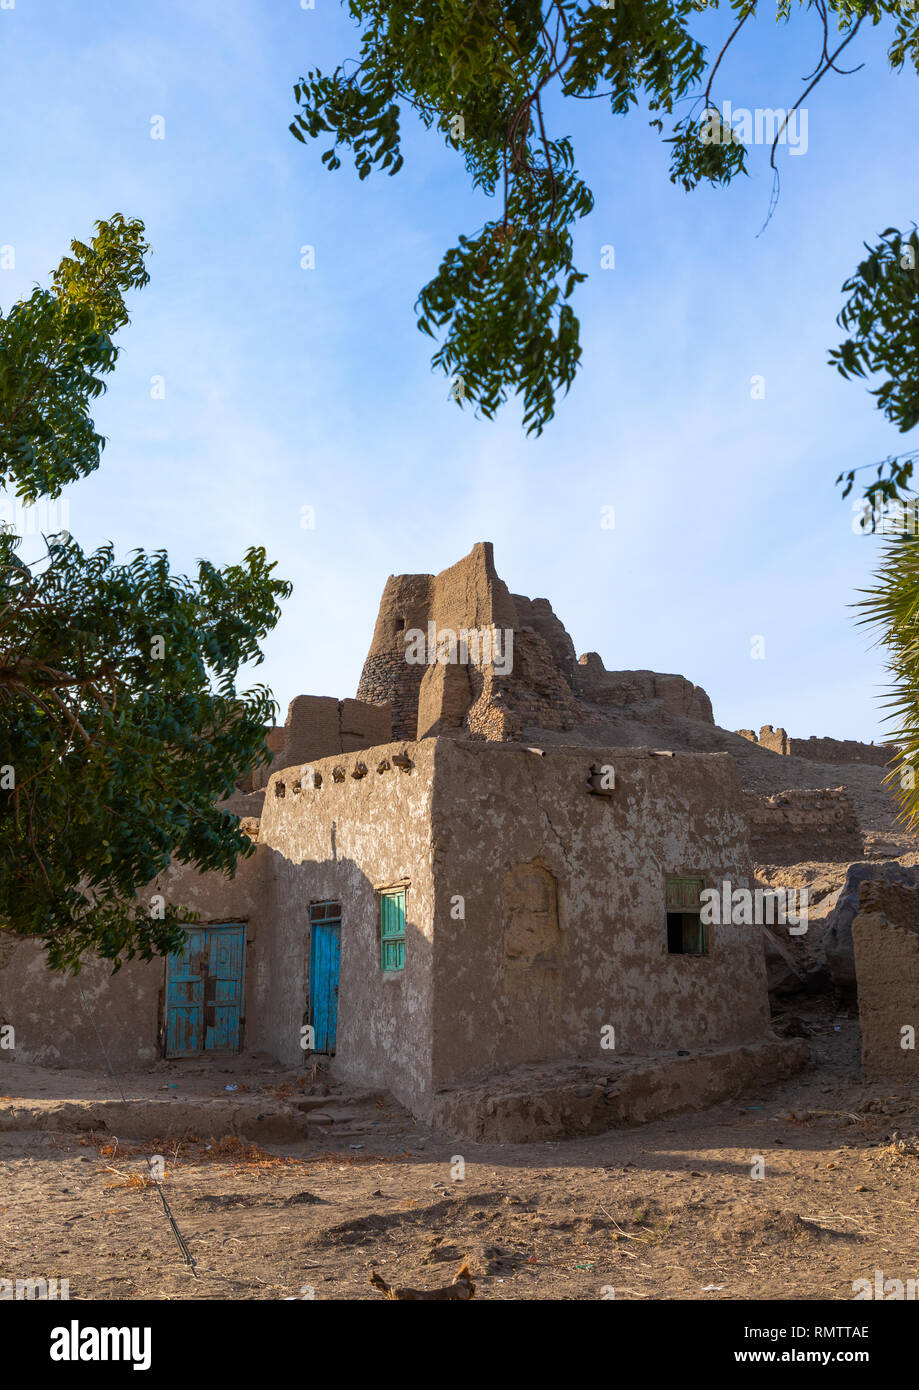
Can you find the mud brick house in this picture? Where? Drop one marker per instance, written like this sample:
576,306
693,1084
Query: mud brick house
459,877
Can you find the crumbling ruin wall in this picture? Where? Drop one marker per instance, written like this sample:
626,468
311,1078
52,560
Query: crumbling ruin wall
536,613
638,691
545,686
489,701
387,678
776,740
468,596
534,695
886,937
837,750
490,716
820,750
444,699
804,823
319,726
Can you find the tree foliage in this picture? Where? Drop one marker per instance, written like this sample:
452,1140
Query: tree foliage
891,607
55,348
120,719
482,74
881,315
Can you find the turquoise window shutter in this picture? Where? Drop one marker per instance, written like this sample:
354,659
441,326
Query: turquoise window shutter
392,930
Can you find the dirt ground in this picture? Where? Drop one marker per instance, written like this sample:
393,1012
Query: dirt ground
668,1210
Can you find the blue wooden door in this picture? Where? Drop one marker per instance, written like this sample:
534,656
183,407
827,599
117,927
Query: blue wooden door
204,992
185,997
325,960
223,988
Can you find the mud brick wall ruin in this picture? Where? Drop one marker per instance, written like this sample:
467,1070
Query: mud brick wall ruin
387,678
804,823
820,750
477,697
885,934
535,695
548,687
528,679
319,726
633,690
838,750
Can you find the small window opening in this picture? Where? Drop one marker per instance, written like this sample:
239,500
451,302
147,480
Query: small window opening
392,930
325,912
686,934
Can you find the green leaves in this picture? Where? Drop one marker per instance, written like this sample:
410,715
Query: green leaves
705,149
55,347
362,116
476,72
881,316
500,296
636,45
97,276
891,606
481,73
890,485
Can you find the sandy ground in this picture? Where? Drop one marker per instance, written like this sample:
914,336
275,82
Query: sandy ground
666,1210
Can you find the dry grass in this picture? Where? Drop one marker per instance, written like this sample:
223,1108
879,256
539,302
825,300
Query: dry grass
901,1148
241,1155
289,1088
135,1181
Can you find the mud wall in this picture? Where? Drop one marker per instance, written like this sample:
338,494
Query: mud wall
52,1025
487,700
319,726
820,750
885,933
637,692
804,823
562,893
836,750
341,841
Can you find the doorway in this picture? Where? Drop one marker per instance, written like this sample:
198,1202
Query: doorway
204,991
325,963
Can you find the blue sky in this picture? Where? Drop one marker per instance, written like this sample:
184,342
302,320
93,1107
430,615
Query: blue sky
288,389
